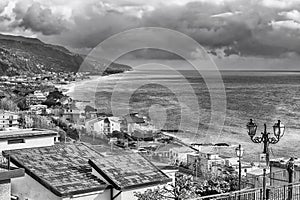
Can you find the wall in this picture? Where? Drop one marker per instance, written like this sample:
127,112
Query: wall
125,195
105,195
29,142
5,190
28,188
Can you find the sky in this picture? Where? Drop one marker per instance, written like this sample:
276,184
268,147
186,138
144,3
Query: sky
238,34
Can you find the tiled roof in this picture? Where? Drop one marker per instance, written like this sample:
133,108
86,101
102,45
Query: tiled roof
128,171
62,168
25,133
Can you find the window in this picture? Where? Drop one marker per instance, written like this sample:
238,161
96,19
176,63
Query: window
15,141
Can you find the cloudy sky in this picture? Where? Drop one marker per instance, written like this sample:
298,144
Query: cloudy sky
237,33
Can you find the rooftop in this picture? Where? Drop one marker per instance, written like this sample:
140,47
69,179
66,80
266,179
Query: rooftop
128,171
17,133
63,168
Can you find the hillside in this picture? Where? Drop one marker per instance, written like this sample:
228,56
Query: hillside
22,55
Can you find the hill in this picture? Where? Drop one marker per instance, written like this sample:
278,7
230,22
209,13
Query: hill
23,55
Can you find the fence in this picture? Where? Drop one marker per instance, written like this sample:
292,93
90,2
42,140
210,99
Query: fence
289,192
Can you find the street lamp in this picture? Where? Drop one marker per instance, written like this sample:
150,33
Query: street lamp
239,153
278,131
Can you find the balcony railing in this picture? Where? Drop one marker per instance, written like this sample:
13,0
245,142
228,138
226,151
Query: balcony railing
285,192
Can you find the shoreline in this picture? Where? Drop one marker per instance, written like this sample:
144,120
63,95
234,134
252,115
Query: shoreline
70,87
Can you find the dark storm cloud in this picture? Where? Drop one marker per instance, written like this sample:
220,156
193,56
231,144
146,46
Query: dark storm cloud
268,28
39,19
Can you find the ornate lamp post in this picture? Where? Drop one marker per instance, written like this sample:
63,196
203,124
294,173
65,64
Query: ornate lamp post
239,153
278,131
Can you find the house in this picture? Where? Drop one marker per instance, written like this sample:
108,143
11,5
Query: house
134,122
36,98
89,125
27,138
107,125
77,171
103,125
8,119
38,109
206,162
72,116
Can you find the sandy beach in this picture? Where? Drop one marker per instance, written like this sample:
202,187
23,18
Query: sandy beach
68,89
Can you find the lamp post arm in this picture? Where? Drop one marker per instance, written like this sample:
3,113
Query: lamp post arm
273,140
256,139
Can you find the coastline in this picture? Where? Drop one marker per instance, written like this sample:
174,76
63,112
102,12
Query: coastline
69,88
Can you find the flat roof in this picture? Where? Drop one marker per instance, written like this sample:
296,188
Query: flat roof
24,133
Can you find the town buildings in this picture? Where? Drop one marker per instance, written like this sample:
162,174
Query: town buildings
8,119
36,98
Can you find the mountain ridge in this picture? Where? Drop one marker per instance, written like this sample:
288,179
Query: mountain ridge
24,55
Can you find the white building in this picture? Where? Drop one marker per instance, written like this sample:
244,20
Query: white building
107,125
8,119
36,98
103,126
26,138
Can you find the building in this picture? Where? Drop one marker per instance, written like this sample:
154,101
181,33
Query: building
8,119
77,171
102,126
107,125
38,109
72,116
27,138
36,98
209,162
89,125
135,122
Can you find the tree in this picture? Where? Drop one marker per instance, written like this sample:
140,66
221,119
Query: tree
22,104
89,108
182,189
186,188
73,133
55,95
7,104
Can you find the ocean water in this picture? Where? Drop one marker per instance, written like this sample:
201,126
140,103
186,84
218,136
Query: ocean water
189,100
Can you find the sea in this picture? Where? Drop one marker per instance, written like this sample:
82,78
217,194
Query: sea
206,107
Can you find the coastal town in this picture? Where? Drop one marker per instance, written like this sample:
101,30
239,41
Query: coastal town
53,150
149,100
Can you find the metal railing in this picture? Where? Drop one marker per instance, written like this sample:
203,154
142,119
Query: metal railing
4,164
285,192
